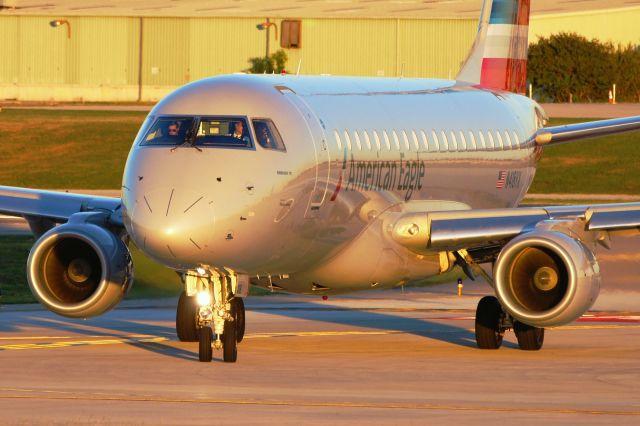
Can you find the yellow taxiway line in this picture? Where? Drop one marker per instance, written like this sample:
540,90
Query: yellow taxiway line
118,340
32,394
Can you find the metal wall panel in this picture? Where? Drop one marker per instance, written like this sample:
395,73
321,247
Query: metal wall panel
422,52
101,59
42,51
346,47
104,51
222,46
618,26
166,51
9,48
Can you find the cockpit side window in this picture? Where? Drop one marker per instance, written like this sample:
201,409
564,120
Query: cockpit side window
168,131
267,134
229,132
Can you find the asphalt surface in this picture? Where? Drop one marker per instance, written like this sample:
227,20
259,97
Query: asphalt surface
385,357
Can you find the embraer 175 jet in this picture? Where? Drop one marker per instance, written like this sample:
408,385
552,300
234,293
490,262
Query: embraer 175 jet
323,185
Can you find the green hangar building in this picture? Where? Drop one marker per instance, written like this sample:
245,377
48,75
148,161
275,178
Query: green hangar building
128,51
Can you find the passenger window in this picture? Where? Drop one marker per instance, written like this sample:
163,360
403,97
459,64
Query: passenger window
377,139
267,134
463,141
454,141
168,131
338,141
425,140
434,135
396,140
499,138
508,139
492,144
445,142
472,139
483,144
356,137
366,139
405,139
516,139
416,144
348,139
386,140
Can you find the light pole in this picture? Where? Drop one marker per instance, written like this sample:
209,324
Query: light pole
57,22
265,26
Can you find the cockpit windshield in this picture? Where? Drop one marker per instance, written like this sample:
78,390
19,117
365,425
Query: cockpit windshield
168,131
223,131
214,131
229,132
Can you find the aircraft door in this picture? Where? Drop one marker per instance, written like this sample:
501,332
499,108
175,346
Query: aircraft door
323,162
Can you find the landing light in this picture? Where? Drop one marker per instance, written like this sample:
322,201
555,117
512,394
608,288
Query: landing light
203,298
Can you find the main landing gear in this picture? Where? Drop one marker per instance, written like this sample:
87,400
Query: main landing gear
492,322
211,312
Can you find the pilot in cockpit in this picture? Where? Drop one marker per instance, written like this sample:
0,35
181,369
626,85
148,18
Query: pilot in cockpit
173,128
263,134
238,132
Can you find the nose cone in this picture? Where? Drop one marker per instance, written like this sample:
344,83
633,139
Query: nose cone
172,225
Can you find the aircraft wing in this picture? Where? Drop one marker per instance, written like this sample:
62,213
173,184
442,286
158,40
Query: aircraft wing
573,132
469,229
47,208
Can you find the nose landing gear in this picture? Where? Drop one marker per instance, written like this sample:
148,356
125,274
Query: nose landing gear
213,315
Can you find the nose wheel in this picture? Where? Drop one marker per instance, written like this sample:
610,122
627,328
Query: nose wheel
238,314
228,341
187,318
215,316
205,350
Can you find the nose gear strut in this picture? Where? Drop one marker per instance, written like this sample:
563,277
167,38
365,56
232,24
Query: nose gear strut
219,312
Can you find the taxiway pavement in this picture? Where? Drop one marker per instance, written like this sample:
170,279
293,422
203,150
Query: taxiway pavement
383,357
380,357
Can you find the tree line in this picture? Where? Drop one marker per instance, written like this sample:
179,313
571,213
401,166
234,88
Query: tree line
567,67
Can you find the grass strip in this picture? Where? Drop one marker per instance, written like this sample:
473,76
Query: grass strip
88,150
152,280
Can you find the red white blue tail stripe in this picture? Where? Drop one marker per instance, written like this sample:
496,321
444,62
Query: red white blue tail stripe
498,59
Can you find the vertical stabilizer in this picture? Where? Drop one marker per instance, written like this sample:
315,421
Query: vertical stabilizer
498,57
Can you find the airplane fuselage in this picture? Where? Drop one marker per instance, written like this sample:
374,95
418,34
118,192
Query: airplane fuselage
357,150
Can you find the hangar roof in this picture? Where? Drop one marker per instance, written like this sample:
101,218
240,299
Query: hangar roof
291,8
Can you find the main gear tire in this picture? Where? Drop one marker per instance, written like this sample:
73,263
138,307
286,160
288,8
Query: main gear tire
488,317
530,338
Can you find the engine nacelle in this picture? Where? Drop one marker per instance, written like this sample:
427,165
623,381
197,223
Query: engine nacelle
79,270
546,278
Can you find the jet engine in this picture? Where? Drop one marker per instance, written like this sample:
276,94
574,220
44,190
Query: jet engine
546,278
79,270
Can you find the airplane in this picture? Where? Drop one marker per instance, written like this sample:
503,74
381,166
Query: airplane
325,185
